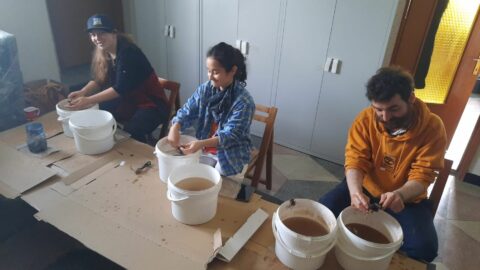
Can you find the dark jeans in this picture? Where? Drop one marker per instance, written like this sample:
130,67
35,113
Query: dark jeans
143,121
419,235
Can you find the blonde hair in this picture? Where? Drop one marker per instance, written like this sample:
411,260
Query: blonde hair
100,61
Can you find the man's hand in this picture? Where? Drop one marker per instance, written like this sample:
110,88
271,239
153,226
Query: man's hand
392,200
360,201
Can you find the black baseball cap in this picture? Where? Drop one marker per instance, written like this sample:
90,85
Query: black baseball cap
100,22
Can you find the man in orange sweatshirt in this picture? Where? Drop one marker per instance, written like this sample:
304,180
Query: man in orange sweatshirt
394,151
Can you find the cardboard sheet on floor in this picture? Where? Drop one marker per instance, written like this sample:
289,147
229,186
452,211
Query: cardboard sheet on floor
20,172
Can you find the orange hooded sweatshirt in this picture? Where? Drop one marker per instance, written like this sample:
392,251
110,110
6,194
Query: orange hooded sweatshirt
388,162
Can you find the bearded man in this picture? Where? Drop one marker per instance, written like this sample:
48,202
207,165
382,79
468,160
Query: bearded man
394,151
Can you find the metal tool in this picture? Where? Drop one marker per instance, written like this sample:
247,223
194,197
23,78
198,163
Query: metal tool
147,164
374,207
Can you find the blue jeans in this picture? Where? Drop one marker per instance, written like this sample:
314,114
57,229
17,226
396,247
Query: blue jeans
416,219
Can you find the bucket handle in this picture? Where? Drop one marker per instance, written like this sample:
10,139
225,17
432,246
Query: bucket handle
61,119
88,139
171,198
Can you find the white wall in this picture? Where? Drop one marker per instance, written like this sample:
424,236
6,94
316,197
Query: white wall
28,21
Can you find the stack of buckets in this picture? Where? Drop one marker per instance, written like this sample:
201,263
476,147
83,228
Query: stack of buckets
299,251
355,253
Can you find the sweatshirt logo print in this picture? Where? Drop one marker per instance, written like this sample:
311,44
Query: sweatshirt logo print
388,163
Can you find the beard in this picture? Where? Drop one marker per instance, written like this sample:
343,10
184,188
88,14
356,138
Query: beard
395,123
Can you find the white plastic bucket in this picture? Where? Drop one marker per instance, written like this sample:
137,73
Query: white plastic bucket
295,259
169,158
194,207
93,131
380,221
351,261
64,114
308,209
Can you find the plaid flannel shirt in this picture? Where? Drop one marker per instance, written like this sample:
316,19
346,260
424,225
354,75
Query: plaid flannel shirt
234,146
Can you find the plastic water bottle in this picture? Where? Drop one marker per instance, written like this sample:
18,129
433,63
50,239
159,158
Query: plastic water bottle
36,139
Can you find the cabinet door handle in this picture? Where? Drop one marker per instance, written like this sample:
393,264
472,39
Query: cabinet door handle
166,30
171,32
244,47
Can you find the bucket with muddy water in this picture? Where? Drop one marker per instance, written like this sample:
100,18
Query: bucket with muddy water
367,241
305,231
193,191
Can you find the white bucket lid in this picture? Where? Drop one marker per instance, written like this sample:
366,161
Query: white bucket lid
91,119
63,110
164,148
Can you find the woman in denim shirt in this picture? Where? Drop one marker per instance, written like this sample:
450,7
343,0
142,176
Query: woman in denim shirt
222,109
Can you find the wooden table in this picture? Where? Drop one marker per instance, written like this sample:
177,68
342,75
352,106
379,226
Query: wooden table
127,218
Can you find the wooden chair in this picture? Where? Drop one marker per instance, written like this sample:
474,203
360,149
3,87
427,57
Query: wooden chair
263,155
439,185
173,96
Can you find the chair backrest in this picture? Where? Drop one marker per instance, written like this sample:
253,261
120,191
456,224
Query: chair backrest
267,116
439,185
173,96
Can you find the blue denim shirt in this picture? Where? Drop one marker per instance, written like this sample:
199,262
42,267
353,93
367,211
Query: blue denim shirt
233,131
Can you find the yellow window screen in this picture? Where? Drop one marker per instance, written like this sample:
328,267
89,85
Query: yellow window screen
450,41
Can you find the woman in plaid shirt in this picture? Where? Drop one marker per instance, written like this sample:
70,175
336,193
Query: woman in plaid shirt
222,109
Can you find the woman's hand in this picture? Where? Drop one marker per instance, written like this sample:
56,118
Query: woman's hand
173,137
191,147
360,201
76,94
79,103
392,200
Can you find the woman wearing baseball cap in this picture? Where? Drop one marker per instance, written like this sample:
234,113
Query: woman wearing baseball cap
124,82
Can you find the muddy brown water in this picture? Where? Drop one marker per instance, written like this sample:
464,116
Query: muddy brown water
368,233
194,184
305,226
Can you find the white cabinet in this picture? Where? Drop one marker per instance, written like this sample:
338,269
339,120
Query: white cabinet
316,107
219,23
288,44
256,23
145,20
304,50
359,37
182,48
175,57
